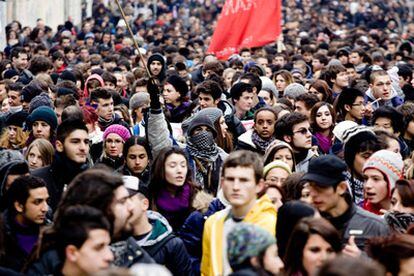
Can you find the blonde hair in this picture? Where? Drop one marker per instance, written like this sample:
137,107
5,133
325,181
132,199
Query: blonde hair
21,137
45,149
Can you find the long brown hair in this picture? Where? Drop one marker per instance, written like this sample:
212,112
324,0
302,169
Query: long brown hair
303,230
158,180
226,143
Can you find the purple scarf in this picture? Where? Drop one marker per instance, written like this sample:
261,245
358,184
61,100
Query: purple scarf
166,203
324,142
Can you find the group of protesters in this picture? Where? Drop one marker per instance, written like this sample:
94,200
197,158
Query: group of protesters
294,158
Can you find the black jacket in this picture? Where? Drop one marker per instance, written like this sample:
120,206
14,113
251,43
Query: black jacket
128,252
359,223
57,175
165,248
15,256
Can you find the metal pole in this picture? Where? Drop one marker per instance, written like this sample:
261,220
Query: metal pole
133,39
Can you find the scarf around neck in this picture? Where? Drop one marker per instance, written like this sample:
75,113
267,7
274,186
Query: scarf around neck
202,146
324,142
261,143
167,203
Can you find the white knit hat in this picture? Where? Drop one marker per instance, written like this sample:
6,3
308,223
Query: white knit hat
387,162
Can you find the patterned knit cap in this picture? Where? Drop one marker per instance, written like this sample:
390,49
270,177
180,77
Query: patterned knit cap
387,162
245,241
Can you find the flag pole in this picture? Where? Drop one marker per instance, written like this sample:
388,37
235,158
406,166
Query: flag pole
133,39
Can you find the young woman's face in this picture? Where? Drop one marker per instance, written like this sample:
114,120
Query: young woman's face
396,204
305,194
41,129
171,96
176,169
324,118
280,83
223,126
284,155
114,145
137,159
375,186
316,93
315,253
34,158
276,177
12,131
272,261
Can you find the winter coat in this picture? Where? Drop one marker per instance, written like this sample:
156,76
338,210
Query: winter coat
166,248
128,253
395,101
49,263
303,165
180,113
15,256
359,223
191,232
245,142
262,214
58,175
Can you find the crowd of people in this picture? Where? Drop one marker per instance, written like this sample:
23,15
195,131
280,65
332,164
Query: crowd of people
295,158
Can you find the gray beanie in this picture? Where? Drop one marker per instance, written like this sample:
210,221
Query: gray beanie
293,90
268,85
213,113
138,100
40,100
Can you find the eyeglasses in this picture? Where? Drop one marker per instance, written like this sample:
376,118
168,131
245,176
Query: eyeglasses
303,131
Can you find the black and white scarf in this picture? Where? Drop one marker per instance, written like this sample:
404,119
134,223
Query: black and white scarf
261,143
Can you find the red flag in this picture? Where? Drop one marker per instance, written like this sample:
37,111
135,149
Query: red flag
246,23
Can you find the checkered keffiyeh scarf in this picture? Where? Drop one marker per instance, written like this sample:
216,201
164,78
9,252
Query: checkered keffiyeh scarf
202,146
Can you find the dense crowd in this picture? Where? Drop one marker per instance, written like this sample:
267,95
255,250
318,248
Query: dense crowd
295,158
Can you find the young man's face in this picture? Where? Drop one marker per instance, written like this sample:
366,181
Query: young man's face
355,59
342,79
384,124
245,102
35,208
75,146
206,100
316,65
325,199
301,108
239,186
105,108
155,67
246,56
302,137
21,61
279,60
381,87
95,254
360,159
14,98
265,124
375,186
121,208
357,109
140,204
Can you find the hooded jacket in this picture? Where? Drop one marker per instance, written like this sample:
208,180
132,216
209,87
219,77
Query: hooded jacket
395,100
164,247
263,214
92,77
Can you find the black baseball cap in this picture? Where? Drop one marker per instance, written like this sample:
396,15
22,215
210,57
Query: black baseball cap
326,170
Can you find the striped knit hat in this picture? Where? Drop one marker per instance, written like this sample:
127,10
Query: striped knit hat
387,162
